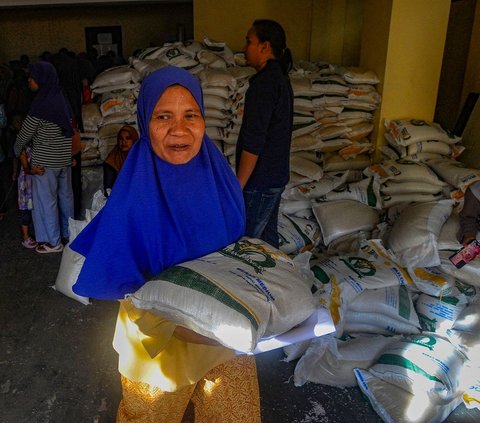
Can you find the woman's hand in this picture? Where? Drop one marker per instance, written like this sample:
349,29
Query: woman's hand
467,240
37,170
187,335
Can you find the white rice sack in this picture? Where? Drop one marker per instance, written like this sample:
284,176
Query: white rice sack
305,142
291,207
471,396
403,171
147,66
331,361
217,78
125,117
210,59
295,351
465,332
244,292
340,279
328,87
296,234
343,217
295,180
421,363
117,102
395,405
447,239
336,163
432,146
389,153
221,49
355,75
176,55
301,86
432,281
332,145
469,274
454,172
362,146
91,117
356,322
437,314
394,302
411,131
72,262
327,183
366,191
304,128
348,244
306,168
68,272
118,75
218,91
215,102
359,131
331,132
241,74
413,236
393,188
311,156
389,201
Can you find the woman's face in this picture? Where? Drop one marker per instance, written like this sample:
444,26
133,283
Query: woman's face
253,50
177,126
125,141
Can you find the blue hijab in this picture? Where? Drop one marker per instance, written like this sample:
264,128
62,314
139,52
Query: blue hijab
49,103
159,214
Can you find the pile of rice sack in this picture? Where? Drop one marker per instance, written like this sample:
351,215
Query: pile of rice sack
380,236
406,318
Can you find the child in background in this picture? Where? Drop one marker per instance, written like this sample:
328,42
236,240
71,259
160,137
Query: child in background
25,202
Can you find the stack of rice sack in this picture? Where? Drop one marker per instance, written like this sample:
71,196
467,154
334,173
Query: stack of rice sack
219,94
419,140
92,119
117,90
333,114
403,181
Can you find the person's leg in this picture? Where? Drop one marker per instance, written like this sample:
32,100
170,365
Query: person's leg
45,207
260,206
229,393
270,233
65,200
142,403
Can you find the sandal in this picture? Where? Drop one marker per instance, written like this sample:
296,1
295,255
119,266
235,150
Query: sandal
29,243
47,248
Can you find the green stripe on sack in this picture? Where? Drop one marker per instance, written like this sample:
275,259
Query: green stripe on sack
404,302
188,278
371,197
396,360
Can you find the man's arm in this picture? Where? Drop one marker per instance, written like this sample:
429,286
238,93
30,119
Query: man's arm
246,165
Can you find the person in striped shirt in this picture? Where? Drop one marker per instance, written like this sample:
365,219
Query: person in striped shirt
48,131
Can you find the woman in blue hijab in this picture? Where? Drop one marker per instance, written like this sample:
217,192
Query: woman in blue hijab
175,199
160,212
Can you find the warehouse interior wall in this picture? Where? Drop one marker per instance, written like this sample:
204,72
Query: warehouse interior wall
317,30
451,94
35,30
403,42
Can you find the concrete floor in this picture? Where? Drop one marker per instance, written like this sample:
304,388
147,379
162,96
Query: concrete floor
57,363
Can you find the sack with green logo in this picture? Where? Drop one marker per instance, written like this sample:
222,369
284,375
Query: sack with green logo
421,363
340,279
237,295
